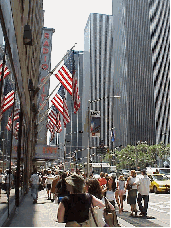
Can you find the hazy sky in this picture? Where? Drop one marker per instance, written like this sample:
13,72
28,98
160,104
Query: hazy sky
68,18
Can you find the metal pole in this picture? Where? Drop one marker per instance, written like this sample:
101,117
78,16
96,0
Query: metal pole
2,78
88,149
51,72
18,159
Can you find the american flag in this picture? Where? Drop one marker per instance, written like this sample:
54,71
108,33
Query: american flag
51,128
16,129
6,70
16,117
54,117
64,74
75,92
8,98
59,102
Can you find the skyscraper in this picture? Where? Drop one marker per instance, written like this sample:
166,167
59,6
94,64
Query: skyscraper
98,76
141,66
159,18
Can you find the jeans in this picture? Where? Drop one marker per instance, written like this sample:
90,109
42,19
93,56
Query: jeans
35,191
144,208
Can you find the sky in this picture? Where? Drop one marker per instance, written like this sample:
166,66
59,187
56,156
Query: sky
69,18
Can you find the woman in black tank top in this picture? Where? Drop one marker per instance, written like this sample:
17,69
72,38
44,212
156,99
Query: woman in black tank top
75,207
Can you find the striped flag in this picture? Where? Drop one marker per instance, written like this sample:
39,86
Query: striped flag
8,98
64,74
59,102
6,70
66,117
76,97
16,129
54,117
51,128
75,91
16,117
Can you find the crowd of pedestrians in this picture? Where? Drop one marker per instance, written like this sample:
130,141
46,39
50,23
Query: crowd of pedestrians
75,193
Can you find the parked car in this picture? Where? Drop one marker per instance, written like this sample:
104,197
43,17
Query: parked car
159,183
165,171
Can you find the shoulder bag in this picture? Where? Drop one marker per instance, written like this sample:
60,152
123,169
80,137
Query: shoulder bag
110,215
129,187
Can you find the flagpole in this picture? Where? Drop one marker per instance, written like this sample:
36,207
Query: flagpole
2,79
45,114
11,142
51,72
48,98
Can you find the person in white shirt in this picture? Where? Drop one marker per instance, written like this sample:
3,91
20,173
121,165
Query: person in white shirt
132,192
143,184
49,181
109,192
35,180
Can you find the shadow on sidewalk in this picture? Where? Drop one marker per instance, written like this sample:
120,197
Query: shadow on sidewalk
138,220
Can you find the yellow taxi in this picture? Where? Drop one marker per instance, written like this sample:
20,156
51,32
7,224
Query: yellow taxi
159,183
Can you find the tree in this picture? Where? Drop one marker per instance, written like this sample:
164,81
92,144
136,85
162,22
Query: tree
141,155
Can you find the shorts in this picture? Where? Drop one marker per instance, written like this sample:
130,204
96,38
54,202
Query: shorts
49,186
121,192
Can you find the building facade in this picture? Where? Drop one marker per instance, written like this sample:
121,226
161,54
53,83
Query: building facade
24,63
98,78
141,71
159,17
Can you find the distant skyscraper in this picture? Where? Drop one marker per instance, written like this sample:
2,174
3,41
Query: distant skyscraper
98,75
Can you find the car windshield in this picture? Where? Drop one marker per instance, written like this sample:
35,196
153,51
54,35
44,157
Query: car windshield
160,177
164,171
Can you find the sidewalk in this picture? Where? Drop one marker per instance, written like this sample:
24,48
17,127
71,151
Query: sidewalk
42,214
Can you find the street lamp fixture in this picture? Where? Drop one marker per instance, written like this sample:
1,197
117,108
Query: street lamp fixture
27,37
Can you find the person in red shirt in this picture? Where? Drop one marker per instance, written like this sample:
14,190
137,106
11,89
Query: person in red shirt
102,180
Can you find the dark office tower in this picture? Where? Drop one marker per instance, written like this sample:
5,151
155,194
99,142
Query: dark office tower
141,70
98,74
159,16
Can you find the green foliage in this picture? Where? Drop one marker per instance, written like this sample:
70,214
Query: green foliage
138,156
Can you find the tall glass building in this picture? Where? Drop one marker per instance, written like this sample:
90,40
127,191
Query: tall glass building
141,70
98,77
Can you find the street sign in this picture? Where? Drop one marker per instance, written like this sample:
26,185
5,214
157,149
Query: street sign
101,150
95,123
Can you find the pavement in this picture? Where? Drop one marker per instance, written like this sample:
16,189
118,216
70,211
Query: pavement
44,214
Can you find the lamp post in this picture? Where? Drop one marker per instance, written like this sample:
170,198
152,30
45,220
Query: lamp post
88,152
3,152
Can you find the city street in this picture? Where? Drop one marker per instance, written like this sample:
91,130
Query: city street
158,212
44,213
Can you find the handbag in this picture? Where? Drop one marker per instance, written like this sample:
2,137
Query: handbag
96,217
110,215
129,187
